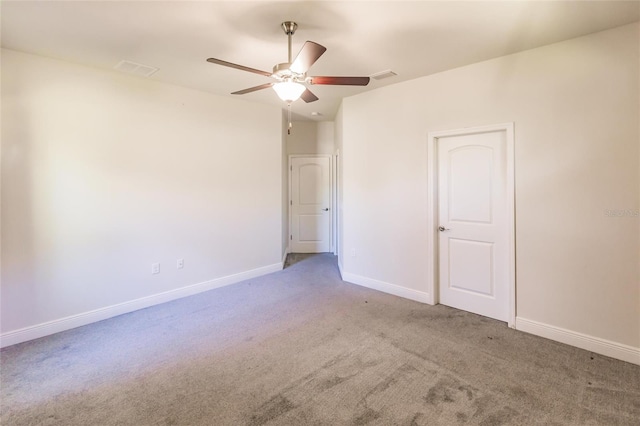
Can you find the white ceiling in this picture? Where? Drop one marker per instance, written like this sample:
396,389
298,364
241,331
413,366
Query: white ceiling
413,39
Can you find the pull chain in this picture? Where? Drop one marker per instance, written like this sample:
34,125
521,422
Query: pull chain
289,116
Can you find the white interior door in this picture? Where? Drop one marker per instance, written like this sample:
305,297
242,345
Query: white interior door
310,204
473,223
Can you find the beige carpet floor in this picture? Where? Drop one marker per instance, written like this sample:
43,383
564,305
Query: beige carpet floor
302,347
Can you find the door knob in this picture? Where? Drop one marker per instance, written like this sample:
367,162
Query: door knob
326,209
442,229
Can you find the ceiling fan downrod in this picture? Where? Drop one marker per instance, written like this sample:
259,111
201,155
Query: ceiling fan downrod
289,28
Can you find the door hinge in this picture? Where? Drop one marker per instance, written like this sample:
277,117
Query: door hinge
291,168
290,202
291,237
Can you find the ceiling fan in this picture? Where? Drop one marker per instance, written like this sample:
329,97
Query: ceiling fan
292,75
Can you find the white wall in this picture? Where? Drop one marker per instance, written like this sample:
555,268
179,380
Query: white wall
575,109
338,133
325,136
104,174
285,186
310,137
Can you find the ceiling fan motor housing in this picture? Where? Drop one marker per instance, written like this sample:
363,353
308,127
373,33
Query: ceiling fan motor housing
283,72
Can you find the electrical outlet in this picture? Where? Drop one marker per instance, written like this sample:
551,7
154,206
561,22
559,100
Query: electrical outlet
155,268
353,252
180,264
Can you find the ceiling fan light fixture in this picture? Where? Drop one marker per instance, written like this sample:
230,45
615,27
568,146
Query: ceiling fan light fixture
289,91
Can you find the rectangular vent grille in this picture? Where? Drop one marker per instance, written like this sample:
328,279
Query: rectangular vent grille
383,74
135,68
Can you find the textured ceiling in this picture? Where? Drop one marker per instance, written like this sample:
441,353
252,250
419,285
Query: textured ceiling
413,39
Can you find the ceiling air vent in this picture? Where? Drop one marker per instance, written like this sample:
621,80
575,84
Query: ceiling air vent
136,68
383,74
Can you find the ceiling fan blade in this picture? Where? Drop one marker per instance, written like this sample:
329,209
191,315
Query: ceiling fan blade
307,96
340,81
253,89
307,56
238,67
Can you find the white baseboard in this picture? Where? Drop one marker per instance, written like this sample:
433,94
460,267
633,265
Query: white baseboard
62,324
284,257
394,289
579,340
340,269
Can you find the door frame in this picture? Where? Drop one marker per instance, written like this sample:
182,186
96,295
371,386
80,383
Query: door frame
433,276
336,202
331,192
